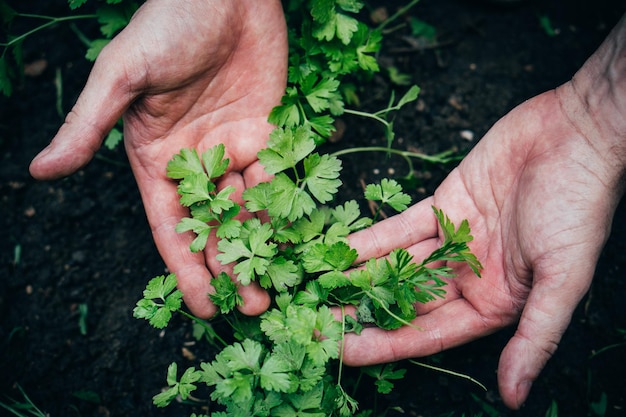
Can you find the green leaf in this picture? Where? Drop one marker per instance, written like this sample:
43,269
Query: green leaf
282,274
95,47
221,201
214,161
113,139
455,246
285,148
312,295
169,299
258,197
312,227
369,44
330,24
232,250
288,200
240,356
321,176
388,192
321,257
421,29
319,93
114,18
384,374
75,4
346,404
182,388
288,113
226,296
195,188
348,215
322,125
184,164
301,323
7,14
200,228
409,96
252,247
306,404
275,375
273,324
160,287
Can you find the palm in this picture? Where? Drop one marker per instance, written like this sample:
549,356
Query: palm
184,75
534,233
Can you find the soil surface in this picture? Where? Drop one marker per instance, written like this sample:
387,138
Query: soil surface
84,240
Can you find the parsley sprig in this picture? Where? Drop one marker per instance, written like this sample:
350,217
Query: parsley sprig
302,257
288,361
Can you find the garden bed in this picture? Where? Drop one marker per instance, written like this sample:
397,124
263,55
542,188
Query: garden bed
84,240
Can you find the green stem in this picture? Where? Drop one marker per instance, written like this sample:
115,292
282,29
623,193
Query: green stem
51,21
447,371
440,158
343,335
209,329
397,14
369,115
391,313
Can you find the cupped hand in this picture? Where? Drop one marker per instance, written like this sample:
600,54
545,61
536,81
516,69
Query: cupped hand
540,200
183,74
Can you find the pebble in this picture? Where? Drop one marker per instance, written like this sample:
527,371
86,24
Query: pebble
467,134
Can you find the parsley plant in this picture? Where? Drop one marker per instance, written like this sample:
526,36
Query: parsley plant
288,361
301,256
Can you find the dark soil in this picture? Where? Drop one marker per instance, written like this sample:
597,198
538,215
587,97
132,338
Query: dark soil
84,240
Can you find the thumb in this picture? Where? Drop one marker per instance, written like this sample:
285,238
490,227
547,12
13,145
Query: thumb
544,319
99,106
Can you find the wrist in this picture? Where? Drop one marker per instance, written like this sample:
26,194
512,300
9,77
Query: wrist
594,101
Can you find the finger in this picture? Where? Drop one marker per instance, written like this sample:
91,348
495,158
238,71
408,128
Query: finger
99,106
255,174
415,224
164,212
255,299
452,324
544,319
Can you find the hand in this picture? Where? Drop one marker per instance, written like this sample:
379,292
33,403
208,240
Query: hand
184,74
539,199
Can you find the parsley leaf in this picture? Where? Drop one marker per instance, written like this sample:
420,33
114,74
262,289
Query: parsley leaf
388,192
184,164
285,148
169,299
384,374
288,200
320,93
226,296
182,388
250,250
321,176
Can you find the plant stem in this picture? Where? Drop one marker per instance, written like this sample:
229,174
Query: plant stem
440,158
369,115
397,14
391,313
51,21
343,334
209,329
447,371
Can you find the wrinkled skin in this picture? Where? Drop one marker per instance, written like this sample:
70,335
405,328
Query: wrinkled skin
539,190
184,74
537,236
